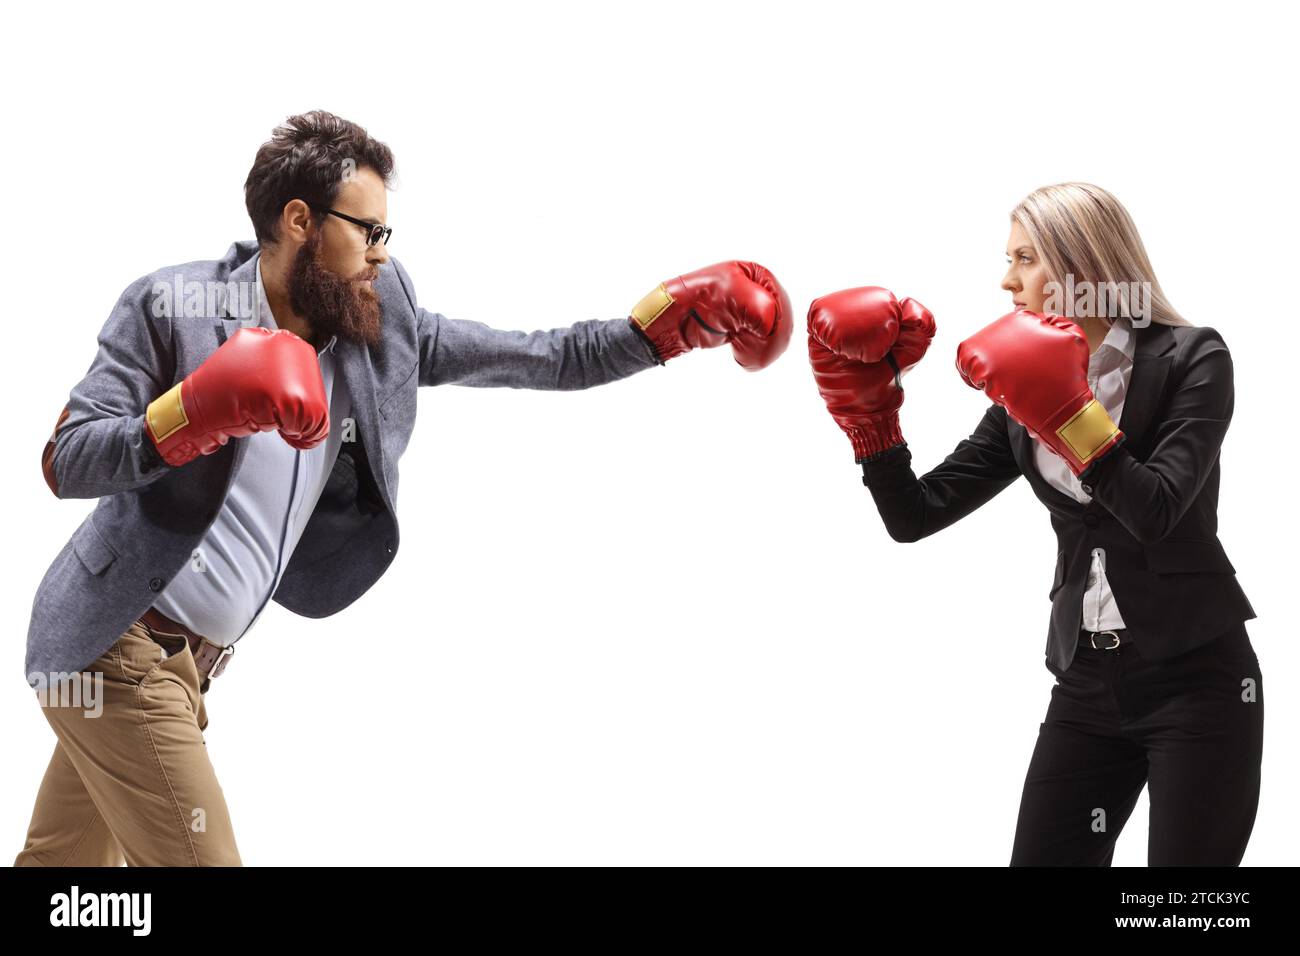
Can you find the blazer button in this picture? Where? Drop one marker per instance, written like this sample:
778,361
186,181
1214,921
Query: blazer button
1091,520
155,584
1087,489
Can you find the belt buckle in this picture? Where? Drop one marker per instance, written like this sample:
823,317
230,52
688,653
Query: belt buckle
1092,639
220,664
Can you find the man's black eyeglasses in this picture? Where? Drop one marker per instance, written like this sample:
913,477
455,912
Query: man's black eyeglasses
375,231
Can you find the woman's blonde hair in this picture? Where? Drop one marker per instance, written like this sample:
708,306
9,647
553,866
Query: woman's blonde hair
1083,231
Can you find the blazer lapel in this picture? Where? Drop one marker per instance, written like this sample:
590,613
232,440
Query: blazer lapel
239,307
1151,361
359,374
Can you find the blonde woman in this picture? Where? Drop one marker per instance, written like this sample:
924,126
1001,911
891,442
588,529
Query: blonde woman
1114,408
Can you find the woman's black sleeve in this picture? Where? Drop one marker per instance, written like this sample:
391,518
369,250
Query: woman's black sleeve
978,468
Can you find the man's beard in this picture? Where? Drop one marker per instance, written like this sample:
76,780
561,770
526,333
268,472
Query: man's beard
333,304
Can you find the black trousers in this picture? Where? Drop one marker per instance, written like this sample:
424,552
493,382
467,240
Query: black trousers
1190,727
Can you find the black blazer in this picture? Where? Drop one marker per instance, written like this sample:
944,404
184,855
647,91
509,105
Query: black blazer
1154,508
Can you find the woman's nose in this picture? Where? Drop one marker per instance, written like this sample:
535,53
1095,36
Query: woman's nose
1009,282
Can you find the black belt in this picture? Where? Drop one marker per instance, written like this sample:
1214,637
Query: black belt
1106,640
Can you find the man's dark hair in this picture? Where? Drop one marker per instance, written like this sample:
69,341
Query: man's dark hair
308,158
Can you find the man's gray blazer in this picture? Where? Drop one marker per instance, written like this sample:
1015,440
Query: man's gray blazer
151,516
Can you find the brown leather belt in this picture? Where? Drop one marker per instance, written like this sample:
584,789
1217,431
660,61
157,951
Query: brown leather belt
209,658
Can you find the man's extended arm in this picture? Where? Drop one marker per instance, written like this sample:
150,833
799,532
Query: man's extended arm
588,353
734,303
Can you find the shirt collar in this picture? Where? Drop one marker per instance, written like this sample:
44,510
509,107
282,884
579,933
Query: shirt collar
266,319
1120,337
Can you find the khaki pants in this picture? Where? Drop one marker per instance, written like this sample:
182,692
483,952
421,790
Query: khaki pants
130,778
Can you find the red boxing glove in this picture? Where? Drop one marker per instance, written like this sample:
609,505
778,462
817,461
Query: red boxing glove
1036,367
861,342
736,302
258,380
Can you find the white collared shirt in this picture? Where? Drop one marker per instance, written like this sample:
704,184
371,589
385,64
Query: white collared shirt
238,564
1109,371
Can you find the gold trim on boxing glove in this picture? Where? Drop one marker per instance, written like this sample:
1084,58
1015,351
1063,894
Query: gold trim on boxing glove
652,306
166,414
1088,430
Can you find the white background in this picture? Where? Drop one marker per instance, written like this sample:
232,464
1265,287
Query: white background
661,622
